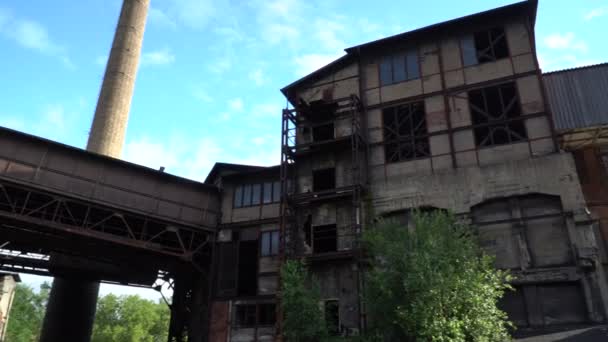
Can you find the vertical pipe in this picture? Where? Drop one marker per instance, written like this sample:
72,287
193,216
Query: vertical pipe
71,308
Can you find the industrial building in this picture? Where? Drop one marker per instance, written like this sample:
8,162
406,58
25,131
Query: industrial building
8,282
455,116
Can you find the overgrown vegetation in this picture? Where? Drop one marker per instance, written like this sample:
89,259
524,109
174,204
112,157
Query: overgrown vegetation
427,282
118,319
303,318
432,282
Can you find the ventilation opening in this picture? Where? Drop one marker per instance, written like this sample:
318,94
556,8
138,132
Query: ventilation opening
323,132
323,179
332,317
247,273
325,238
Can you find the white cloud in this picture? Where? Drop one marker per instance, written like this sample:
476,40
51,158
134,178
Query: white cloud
306,64
566,41
564,62
327,32
12,122
282,8
193,13
266,110
160,18
258,141
236,104
597,12
202,95
160,57
54,118
101,60
220,65
275,33
32,35
257,76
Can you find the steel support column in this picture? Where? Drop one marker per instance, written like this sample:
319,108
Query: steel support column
70,312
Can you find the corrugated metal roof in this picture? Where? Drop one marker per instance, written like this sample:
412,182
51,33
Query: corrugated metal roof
578,97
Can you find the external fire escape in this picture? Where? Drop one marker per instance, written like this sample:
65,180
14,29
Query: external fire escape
297,124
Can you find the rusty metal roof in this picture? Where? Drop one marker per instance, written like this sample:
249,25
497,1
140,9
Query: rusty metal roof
578,97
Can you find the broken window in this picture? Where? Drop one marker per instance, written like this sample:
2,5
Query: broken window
323,179
400,67
405,132
267,314
496,114
332,317
325,238
323,132
484,46
248,268
245,315
270,243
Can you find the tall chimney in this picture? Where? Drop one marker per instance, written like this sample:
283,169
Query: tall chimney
70,311
109,126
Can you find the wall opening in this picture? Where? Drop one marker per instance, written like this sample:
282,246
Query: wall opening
228,262
405,132
267,314
248,268
323,132
323,179
332,317
245,315
325,238
484,46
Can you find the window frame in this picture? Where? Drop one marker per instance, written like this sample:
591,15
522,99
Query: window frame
414,140
272,249
470,41
405,56
255,201
493,125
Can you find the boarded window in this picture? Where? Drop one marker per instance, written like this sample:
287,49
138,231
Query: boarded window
227,269
484,46
399,67
323,132
532,221
405,132
496,114
248,268
332,317
324,179
270,243
325,238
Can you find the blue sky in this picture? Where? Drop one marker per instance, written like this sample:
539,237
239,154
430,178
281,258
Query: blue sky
208,84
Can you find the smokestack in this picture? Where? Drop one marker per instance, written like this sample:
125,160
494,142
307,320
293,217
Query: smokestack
109,126
70,311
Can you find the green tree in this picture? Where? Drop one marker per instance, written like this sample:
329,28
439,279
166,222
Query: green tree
303,319
432,282
27,313
130,319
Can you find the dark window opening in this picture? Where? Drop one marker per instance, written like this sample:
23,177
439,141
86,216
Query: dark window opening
267,314
323,132
308,230
323,179
399,68
227,269
496,113
332,317
270,243
245,315
484,46
325,238
248,268
405,132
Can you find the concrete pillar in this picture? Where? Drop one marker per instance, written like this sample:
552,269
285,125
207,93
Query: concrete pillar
70,312
109,126
71,308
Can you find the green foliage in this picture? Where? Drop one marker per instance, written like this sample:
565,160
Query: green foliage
118,319
303,318
27,313
432,282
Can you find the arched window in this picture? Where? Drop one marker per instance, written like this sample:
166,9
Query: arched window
524,231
